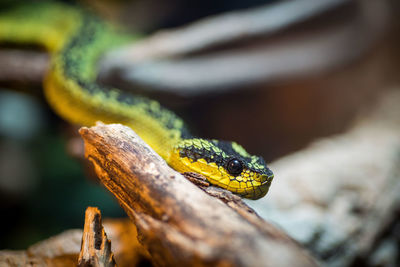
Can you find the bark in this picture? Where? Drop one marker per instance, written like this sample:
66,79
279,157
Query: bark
340,196
268,44
178,223
96,247
63,249
257,46
23,66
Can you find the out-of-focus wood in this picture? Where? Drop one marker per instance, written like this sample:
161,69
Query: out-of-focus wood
23,66
58,251
62,250
177,222
222,29
340,196
283,106
258,47
125,246
96,247
66,243
19,258
265,58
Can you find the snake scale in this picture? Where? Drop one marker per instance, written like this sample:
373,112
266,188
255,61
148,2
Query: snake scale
76,39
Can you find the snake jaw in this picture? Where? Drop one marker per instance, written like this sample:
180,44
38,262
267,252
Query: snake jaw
267,177
267,180
218,162
77,39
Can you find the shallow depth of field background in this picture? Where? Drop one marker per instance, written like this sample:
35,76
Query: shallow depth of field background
44,188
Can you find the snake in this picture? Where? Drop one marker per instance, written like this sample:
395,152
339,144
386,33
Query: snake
76,38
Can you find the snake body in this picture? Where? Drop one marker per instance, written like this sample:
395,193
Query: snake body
76,39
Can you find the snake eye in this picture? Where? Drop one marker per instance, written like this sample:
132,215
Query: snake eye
234,167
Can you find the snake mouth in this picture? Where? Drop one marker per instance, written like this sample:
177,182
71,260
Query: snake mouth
267,179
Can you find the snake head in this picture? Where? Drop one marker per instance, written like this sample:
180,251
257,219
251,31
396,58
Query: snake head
224,164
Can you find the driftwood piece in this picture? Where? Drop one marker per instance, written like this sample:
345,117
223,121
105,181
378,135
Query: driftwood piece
179,60
66,243
19,258
96,247
23,66
221,29
341,194
161,61
59,251
177,222
126,248
63,249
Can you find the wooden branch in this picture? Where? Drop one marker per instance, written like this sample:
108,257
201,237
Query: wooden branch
222,29
177,222
96,247
66,243
253,51
341,194
161,61
23,66
20,258
63,249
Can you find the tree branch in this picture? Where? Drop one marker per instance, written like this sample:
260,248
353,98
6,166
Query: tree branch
340,196
252,50
176,221
96,247
23,66
63,249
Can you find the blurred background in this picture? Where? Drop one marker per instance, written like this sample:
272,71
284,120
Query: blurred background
270,75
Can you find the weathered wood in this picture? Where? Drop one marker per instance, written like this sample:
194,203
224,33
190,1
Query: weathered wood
126,248
258,47
341,194
59,251
221,29
177,222
66,243
19,258
63,249
23,66
160,61
96,247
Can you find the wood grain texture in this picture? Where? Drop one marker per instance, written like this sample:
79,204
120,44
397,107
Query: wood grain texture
340,195
178,223
96,247
62,250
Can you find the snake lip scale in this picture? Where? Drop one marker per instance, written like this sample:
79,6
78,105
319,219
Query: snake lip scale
76,39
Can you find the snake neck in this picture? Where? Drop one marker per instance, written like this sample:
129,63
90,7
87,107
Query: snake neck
72,90
48,24
76,40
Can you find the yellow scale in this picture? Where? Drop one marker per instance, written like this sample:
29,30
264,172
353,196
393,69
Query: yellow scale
76,40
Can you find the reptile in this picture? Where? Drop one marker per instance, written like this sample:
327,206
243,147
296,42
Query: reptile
76,38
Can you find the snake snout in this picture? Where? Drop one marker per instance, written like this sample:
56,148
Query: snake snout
265,177
262,179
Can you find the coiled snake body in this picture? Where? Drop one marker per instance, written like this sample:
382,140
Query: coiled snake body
76,40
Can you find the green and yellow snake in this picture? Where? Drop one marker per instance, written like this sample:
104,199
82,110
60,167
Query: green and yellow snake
76,39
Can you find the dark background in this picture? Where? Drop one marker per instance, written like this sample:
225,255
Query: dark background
44,187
